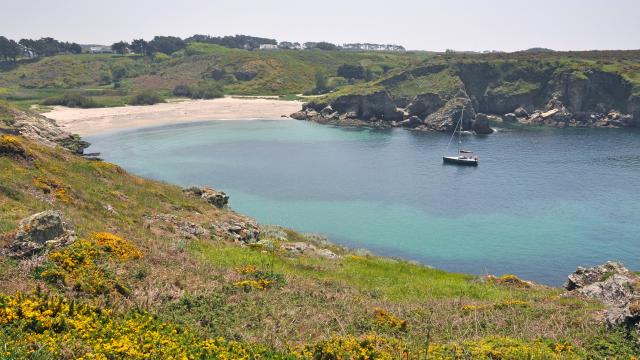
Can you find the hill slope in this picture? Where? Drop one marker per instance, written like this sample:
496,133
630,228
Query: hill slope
584,89
142,267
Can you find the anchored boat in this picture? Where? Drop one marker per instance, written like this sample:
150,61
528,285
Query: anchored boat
463,157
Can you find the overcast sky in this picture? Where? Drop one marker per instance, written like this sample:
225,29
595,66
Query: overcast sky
417,24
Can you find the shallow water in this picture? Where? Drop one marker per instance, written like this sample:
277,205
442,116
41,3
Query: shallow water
541,202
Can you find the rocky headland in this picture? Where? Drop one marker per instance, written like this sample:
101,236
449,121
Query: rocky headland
431,98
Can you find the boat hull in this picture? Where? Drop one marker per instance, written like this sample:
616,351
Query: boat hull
459,161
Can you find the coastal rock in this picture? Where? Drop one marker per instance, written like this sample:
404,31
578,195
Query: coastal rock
521,112
244,231
445,119
41,232
509,117
378,105
216,198
299,115
615,286
481,125
494,118
186,229
45,131
424,105
411,122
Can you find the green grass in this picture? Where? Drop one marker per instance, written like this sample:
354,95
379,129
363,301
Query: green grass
515,88
442,82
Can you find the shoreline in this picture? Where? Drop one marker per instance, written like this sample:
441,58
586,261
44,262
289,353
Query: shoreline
95,121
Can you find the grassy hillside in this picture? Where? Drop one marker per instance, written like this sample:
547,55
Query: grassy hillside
130,287
110,79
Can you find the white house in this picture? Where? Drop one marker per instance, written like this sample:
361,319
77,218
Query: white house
268,47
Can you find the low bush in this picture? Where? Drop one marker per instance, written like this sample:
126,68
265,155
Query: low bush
73,100
145,98
204,90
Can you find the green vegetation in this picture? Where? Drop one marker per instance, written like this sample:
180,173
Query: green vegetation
71,100
203,90
111,79
129,283
442,82
515,88
145,98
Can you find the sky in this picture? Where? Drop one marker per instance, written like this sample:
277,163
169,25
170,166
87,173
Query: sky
472,25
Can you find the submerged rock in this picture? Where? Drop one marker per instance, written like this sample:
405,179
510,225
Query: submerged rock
216,198
41,232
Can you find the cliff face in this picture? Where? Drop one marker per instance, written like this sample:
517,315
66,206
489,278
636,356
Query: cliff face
542,93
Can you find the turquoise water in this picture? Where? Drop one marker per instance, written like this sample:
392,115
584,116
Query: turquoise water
541,202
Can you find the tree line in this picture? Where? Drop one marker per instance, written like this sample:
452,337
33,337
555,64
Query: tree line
47,46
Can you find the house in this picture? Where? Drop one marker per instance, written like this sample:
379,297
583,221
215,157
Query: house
373,47
100,50
268,47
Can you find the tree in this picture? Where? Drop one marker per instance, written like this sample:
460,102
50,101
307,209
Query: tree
322,45
166,44
140,46
236,41
9,49
321,83
120,47
353,72
72,48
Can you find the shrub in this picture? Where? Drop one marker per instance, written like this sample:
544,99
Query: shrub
182,90
73,100
86,265
207,90
45,326
204,90
145,98
11,146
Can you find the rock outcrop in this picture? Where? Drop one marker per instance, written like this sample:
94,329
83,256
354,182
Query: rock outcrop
303,248
521,93
446,118
424,105
160,223
615,286
481,125
216,198
43,130
39,233
242,230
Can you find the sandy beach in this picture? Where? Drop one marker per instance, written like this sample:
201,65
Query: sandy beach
100,120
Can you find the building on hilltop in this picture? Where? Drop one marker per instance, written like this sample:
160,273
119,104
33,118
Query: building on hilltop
100,50
268,47
373,47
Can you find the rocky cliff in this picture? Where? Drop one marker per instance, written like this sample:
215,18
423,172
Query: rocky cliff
38,128
431,97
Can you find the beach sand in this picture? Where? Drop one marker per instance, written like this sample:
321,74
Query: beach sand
101,120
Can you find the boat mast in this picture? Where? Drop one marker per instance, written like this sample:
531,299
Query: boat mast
460,131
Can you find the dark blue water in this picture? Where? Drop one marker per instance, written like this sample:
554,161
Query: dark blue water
541,202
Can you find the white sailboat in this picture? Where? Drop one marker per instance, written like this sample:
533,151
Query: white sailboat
463,157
